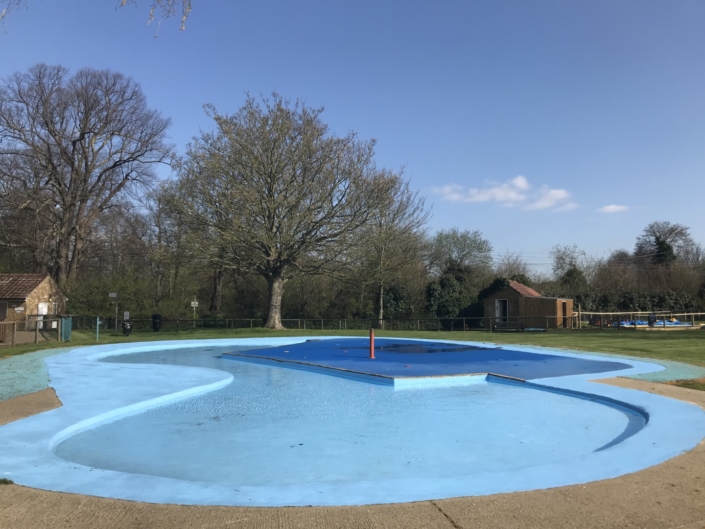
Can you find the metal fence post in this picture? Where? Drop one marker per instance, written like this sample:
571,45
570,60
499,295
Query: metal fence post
14,333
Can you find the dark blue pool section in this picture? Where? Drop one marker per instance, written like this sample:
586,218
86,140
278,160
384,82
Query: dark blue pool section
409,358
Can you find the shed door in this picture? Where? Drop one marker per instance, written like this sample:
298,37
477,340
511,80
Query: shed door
42,310
565,313
3,310
501,309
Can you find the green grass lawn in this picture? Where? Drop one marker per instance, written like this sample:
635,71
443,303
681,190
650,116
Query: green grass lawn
683,346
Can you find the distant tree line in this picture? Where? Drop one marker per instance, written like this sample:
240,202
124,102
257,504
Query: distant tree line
270,215
665,271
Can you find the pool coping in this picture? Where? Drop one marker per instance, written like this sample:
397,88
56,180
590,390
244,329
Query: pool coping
29,440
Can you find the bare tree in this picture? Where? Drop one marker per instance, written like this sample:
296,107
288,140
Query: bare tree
165,8
511,264
692,254
616,274
568,259
662,241
69,146
392,239
271,191
168,252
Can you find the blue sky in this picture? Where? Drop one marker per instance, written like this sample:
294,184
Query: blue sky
537,123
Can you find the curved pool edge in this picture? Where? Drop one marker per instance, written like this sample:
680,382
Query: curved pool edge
38,467
133,409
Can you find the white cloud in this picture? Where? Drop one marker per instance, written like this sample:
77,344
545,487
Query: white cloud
567,207
450,192
613,208
509,193
514,192
548,198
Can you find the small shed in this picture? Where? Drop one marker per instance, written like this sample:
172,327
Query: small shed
520,306
24,295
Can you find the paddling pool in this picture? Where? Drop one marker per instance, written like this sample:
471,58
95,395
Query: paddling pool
274,422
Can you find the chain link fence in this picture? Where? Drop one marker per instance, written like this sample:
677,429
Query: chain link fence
491,324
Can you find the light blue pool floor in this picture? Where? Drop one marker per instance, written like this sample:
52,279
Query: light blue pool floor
274,426
225,432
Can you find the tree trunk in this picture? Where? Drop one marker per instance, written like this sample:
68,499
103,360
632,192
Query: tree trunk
276,290
380,314
73,263
61,264
158,286
217,294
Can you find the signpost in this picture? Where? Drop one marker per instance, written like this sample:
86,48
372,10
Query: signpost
114,295
194,304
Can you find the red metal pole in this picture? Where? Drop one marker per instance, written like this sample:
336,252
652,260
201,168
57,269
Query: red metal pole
372,343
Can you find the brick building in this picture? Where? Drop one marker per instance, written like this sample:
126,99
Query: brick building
24,295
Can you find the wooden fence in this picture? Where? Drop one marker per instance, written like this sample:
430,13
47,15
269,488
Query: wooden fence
33,330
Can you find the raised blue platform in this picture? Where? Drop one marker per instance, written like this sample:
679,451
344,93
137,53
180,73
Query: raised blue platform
401,359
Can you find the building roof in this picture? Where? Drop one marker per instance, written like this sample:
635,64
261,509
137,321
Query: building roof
19,286
523,290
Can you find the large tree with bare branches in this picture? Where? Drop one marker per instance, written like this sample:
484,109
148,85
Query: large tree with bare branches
69,146
272,192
